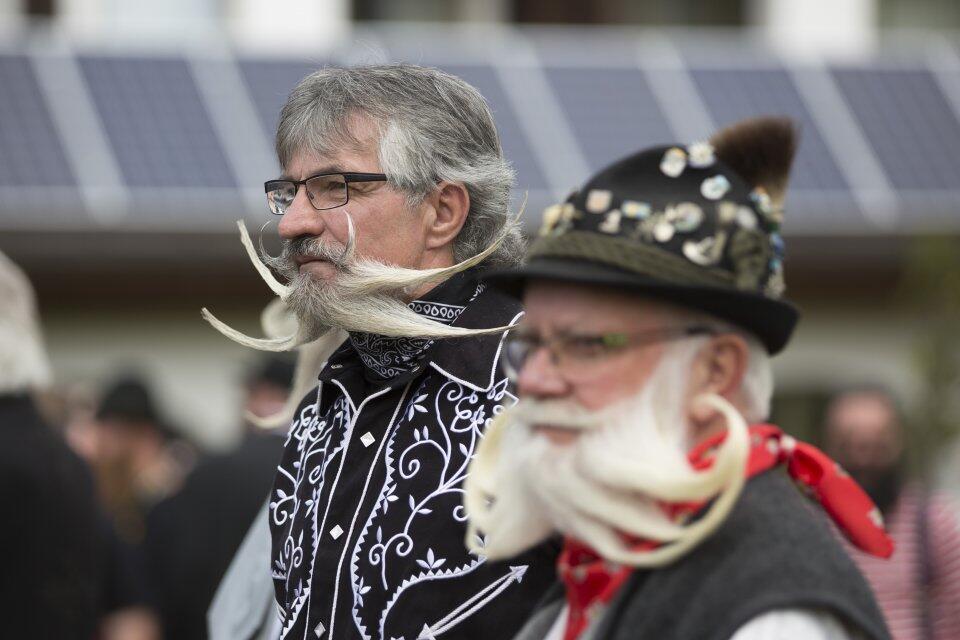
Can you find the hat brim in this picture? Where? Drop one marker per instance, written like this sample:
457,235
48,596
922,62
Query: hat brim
772,321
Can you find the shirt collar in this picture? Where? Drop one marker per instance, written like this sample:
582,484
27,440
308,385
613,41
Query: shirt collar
471,361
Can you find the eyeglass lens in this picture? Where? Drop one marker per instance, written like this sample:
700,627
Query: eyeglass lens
516,351
324,192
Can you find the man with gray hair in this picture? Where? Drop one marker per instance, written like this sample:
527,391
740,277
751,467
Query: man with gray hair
394,200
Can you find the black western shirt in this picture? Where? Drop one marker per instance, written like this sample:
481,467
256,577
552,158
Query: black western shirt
366,512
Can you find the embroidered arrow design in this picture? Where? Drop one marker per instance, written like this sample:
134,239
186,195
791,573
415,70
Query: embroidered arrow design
477,601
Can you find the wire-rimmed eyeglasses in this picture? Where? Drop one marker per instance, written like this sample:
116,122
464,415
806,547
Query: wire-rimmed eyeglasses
324,190
572,353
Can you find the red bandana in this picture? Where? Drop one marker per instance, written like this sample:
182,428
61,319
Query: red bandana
591,582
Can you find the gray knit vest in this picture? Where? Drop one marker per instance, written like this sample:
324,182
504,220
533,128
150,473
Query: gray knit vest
773,552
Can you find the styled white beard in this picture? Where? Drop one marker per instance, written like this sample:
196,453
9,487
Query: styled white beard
365,295
607,484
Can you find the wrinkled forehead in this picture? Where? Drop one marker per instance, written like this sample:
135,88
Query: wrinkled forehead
562,306
330,138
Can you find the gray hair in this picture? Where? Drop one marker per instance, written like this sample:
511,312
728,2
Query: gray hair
756,389
433,127
757,386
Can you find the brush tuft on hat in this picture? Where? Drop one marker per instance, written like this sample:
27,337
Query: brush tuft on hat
761,151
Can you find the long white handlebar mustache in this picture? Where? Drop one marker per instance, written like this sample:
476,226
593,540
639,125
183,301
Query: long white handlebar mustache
380,284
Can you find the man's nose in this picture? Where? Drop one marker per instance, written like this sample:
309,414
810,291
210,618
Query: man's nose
539,377
300,218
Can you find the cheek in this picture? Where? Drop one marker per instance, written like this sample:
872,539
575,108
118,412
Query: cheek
619,378
613,386
335,225
386,232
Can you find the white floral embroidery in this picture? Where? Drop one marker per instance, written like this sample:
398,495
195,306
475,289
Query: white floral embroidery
398,549
295,494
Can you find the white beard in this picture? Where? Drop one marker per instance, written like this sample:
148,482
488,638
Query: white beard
607,484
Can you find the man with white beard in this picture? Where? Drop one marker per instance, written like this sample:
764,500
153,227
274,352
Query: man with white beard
394,199
653,302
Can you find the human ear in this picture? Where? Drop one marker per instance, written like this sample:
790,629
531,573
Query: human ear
451,203
718,368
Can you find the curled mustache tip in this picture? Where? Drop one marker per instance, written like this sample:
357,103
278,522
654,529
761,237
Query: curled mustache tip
266,423
262,344
351,245
275,285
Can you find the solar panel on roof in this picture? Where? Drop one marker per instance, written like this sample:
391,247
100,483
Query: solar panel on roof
30,149
612,111
909,123
157,124
513,138
270,82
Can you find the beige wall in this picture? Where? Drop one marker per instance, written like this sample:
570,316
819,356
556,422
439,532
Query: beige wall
195,371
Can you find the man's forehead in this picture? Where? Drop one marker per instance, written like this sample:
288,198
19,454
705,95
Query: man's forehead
350,146
305,162
570,305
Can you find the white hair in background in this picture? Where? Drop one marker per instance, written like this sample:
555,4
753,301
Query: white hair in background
23,358
609,483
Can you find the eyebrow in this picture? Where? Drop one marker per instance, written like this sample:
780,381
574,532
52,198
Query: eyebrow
327,169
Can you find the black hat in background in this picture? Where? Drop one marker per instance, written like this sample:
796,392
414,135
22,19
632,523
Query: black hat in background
129,401
697,226
275,370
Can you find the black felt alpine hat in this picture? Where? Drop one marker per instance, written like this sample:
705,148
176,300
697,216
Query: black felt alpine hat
697,226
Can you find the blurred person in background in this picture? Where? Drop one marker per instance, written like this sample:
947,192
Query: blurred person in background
137,457
919,588
244,605
394,198
126,606
653,305
266,389
193,534
52,575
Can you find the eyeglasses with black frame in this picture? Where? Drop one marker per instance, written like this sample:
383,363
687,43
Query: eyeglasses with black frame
575,352
324,190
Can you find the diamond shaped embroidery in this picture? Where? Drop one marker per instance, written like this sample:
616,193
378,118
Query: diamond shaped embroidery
320,629
367,439
336,532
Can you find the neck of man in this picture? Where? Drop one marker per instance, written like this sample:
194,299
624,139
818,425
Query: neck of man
439,258
387,357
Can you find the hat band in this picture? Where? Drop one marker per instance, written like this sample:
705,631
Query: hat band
630,256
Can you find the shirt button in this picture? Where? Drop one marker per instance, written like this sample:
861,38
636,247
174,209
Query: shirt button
336,532
367,439
319,630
